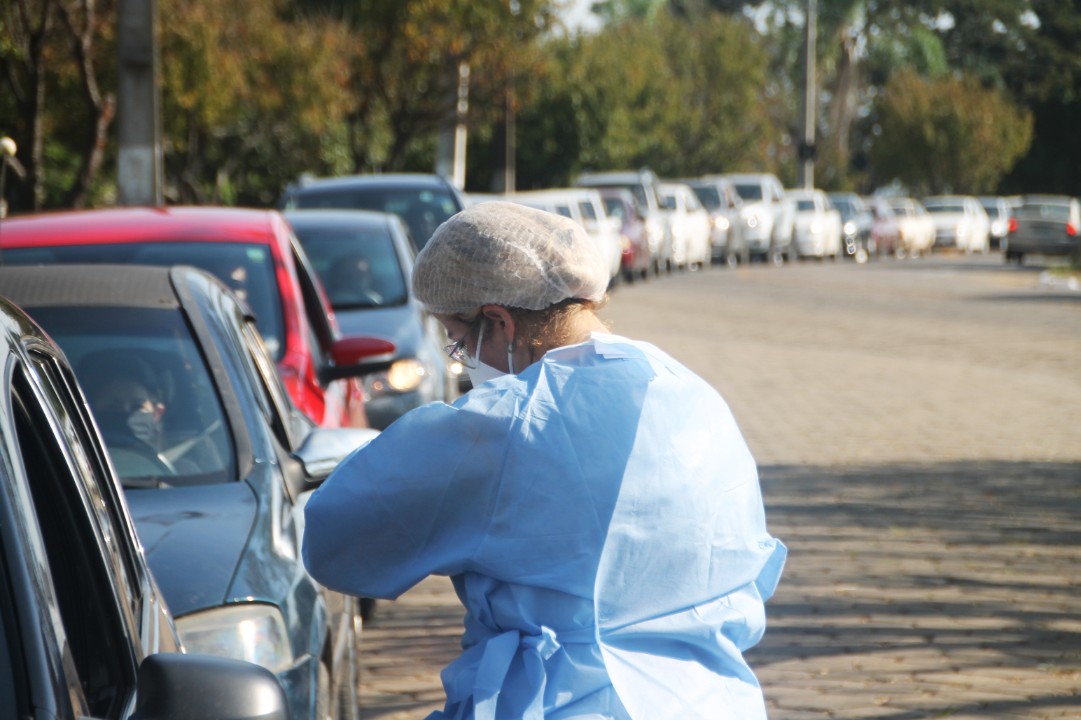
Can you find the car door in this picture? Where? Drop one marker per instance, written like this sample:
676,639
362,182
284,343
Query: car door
76,560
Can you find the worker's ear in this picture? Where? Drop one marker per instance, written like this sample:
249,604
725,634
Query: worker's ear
500,320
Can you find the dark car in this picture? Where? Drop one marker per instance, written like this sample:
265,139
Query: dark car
365,262
856,223
421,200
84,631
252,251
215,460
1044,225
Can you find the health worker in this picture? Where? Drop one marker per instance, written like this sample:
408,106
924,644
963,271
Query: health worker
591,499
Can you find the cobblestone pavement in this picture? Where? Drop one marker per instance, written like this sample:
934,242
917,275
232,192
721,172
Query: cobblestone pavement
918,430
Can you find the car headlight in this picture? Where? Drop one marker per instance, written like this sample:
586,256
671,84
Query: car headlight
850,228
816,227
244,631
403,376
720,222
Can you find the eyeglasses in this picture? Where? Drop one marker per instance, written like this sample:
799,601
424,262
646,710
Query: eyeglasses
456,350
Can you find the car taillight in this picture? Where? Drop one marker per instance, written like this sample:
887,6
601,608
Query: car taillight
1070,229
1013,225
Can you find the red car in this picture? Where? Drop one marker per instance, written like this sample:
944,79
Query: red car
254,252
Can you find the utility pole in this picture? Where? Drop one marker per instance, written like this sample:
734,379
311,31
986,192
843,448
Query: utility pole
451,148
139,163
807,145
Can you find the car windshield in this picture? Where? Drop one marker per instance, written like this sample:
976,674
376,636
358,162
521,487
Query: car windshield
422,209
944,207
246,268
708,195
805,205
1044,211
749,191
358,266
150,390
614,207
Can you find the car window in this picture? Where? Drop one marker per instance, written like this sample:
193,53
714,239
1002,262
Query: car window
246,268
587,211
708,195
358,266
422,209
96,632
614,208
805,205
1044,211
150,390
749,191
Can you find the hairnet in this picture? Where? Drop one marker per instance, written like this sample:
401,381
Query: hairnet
503,253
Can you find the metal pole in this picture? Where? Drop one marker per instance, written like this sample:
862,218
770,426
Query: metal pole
139,165
807,147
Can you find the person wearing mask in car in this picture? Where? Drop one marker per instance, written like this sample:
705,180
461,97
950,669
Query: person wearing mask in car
592,500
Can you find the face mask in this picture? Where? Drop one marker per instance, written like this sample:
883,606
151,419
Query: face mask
144,426
482,373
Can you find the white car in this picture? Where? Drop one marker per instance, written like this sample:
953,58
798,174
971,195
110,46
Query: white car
916,229
691,226
763,202
960,222
816,225
586,207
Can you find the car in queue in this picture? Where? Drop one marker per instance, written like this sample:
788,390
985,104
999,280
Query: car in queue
1044,225
764,214
915,228
728,245
856,223
254,252
84,629
644,186
423,201
365,261
586,207
816,225
690,224
215,460
998,213
885,227
635,262
960,223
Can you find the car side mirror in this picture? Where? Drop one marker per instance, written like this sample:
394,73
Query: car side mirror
178,686
324,448
353,356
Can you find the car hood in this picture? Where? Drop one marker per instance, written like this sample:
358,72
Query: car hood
194,538
400,324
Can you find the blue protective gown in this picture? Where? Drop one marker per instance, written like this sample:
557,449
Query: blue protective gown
601,520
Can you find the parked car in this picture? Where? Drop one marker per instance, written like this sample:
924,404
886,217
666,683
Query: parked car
960,222
586,207
84,629
215,461
690,225
643,185
728,244
998,212
885,228
763,209
1044,225
423,201
916,229
365,261
856,223
817,225
635,262
253,251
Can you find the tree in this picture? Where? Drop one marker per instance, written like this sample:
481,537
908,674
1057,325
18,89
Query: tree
947,135
51,58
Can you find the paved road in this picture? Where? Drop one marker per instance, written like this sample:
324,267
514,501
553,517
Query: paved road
918,430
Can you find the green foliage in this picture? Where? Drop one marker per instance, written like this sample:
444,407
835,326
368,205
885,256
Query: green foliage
949,135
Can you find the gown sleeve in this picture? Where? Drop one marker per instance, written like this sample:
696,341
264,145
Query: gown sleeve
413,502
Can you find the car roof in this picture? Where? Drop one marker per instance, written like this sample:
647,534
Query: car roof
102,285
141,224
332,216
403,180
